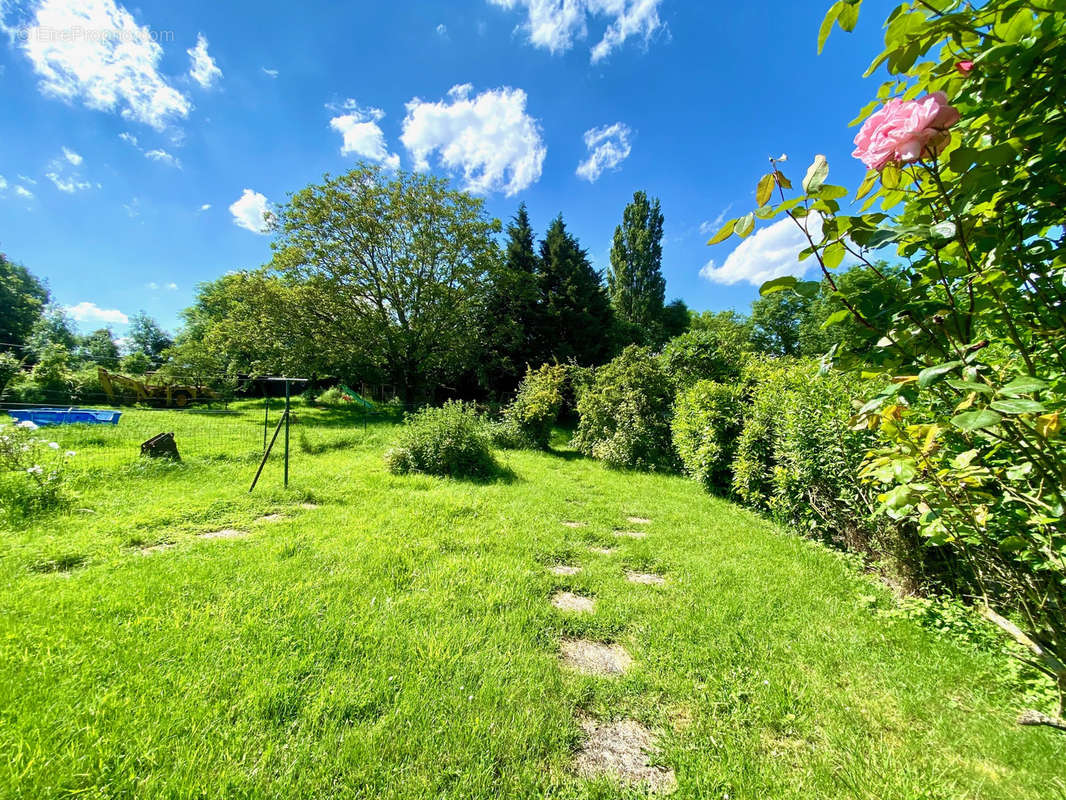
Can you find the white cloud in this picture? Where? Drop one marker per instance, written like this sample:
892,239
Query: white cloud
250,212
72,157
205,207
164,157
556,24
3,183
22,191
771,252
608,147
90,312
155,287
114,68
362,134
203,68
442,30
273,73
171,287
25,179
489,138
129,138
710,227
67,184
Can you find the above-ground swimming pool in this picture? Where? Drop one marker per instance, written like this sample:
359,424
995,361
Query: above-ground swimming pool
65,416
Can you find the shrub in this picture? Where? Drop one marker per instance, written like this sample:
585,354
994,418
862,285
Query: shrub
334,396
625,413
700,355
32,472
529,420
707,421
765,383
9,368
449,441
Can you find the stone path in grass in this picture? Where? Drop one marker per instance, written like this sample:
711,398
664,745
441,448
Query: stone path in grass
621,749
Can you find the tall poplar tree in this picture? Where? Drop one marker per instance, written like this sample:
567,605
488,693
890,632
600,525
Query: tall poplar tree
635,281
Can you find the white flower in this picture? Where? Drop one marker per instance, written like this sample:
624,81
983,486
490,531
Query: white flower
53,445
27,424
71,454
35,470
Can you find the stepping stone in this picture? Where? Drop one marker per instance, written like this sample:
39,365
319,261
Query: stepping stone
603,551
621,749
645,577
571,524
225,533
308,506
568,601
272,518
638,520
564,569
631,534
594,658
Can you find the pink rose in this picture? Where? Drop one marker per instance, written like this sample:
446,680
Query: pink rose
964,67
905,130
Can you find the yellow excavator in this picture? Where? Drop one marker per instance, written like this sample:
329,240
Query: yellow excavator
171,395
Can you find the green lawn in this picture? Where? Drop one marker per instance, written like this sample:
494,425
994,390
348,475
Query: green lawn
394,637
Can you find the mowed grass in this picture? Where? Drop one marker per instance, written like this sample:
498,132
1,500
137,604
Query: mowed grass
393,637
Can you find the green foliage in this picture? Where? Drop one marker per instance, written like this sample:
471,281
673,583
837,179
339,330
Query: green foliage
625,413
32,472
333,396
765,383
99,347
967,454
22,300
9,368
635,281
575,311
146,336
52,373
511,312
388,266
700,355
707,421
52,327
775,323
535,409
136,364
449,441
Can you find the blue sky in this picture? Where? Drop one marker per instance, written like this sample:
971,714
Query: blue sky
139,142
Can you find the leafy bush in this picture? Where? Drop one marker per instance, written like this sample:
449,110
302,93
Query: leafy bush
765,383
9,368
32,472
700,355
334,396
449,441
707,420
528,421
625,413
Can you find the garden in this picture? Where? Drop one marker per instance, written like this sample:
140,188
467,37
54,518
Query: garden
596,544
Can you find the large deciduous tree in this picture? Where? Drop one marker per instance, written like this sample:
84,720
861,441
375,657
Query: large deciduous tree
635,280
22,299
391,265
576,318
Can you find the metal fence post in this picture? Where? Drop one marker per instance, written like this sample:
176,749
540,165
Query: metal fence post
286,433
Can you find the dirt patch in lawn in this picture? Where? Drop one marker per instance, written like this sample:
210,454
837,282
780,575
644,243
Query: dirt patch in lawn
308,506
572,524
225,533
594,658
638,520
568,601
631,534
603,551
622,749
649,578
564,569
272,518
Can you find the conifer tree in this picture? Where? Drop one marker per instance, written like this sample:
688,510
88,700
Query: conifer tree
635,281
